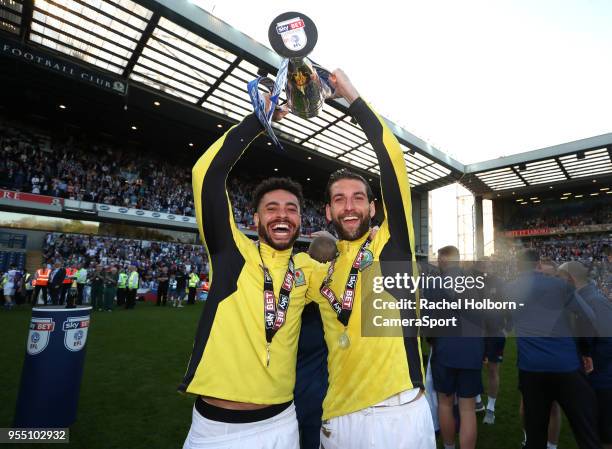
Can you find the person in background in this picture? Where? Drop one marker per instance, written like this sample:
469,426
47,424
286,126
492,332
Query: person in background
495,339
10,280
181,286
56,283
548,359
41,281
549,268
599,360
194,280
111,279
162,287
172,289
311,371
97,288
132,288
68,280
29,287
122,287
457,364
81,279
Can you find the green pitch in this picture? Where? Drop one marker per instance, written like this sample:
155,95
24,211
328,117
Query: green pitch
136,359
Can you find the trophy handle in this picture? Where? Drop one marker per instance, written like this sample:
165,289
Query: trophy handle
328,90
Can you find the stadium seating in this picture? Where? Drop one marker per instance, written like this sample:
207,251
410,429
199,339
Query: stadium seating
90,171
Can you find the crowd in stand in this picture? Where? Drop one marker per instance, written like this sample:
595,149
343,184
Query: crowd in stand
149,257
89,172
592,250
102,174
596,212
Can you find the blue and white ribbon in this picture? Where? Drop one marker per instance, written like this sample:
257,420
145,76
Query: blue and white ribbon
259,104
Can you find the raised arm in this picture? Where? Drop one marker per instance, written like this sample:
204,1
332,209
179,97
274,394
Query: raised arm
393,175
209,175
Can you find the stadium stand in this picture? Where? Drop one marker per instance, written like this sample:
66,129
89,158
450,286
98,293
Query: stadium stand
149,256
88,171
12,250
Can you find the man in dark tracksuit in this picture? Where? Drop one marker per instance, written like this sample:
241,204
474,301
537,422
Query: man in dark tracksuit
599,344
311,377
311,372
549,364
601,355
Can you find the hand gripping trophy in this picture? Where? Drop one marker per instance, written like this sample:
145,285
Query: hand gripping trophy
293,36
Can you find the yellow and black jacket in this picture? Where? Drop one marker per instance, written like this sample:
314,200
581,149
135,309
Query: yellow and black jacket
373,368
229,352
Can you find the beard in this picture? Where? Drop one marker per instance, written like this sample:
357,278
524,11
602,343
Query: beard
263,234
360,231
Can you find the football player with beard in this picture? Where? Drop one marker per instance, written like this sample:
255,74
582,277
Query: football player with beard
375,396
243,364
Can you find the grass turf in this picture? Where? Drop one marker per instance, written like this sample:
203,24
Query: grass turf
135,360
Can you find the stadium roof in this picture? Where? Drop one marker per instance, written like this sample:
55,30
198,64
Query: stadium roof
581,161
181,50
176,48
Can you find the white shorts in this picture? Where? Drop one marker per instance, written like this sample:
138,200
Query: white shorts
278,432
405,426
9,290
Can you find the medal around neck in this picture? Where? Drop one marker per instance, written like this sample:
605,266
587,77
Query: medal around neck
344,341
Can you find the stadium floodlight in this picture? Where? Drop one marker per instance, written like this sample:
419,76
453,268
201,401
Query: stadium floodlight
605,189
595,194
307,179
156,103
219,125
61,106
309,157
134,127
578,196
191,144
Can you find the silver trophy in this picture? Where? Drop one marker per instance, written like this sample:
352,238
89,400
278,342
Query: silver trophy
293,36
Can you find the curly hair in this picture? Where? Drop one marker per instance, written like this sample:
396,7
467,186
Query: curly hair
270,184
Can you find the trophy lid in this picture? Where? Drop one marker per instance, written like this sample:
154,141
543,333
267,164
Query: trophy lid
292,35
